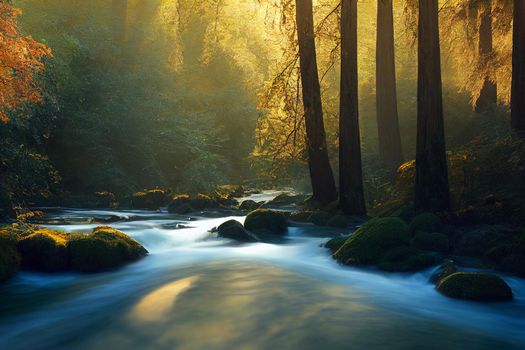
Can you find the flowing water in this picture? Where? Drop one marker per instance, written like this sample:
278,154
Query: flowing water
193,292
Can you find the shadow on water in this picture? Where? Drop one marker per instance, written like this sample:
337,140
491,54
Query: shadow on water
193,293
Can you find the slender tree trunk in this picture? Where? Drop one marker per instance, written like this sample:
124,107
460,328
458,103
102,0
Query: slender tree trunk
390,150
432,186
351,197
518,67
322,178
489,93
119,17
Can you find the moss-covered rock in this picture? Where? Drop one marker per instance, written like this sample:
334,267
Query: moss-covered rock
434,242
405,259
320,217
9,257
184,204
426,222
266,220
45,250
103,249
105,199
372,241
475,286
335,243
230,191
151,199
338,221
233,229
301,216
287,199
446,269
249,205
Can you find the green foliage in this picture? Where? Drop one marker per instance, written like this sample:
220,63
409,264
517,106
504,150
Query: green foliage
475,286
263,220
372,241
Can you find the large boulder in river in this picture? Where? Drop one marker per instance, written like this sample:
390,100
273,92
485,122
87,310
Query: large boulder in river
405,259
475,286
150,200
45,250
435,242
334,244
287,199
372,241
233,229
249,205
268,221
105,248
426,222
9,257
184,204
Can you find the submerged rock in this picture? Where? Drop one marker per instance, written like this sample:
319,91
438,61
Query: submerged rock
103,249
45,250
9,257
233,229
372,241
267,221
475,286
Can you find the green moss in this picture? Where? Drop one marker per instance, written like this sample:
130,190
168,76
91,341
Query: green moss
320,217
373,240
434,242
338,221
103,249
335,243
184,204
446,269
475,286
151,199
427,222
9,257
45,250
266,220
405,259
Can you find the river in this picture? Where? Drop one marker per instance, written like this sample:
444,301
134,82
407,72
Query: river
196,292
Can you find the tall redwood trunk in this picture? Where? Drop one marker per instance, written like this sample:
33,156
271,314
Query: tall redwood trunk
489,94
351,197
518,67
322,178
390,149
119,16
432,186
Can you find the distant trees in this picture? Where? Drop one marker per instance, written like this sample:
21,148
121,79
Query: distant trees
518,68
432,186
351,196
390,150
488,96
323,184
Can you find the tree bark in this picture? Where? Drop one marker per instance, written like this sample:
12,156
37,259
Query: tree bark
489,93
432,186
119,10
390,149
351,197
518,68
322,178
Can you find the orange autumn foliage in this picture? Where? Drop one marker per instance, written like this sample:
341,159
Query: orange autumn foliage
20,59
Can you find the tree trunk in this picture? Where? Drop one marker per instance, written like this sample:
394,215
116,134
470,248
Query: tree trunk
489,94
322,178
351,197
518,67
119,17
390,150
432,186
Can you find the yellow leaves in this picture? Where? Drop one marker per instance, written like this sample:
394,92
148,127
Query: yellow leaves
20,59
